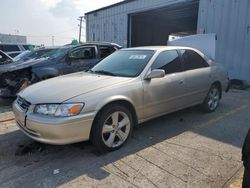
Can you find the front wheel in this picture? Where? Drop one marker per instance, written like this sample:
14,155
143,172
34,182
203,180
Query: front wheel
112,128
212,100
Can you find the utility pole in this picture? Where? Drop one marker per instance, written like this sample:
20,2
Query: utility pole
53,40
80,27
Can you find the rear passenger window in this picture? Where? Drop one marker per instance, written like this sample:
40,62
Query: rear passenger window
11,48
168,61
106,51
193,60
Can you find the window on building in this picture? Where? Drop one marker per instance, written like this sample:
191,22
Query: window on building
168,61
193,60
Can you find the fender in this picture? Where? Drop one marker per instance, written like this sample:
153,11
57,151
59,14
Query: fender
44,72
113,99
138,114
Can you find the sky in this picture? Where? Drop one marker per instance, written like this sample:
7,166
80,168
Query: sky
39,20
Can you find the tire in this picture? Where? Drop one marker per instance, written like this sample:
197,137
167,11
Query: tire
212,99
112,128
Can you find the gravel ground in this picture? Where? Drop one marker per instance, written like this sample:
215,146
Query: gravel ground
185,149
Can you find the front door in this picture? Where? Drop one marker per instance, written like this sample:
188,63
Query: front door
81,58
163,95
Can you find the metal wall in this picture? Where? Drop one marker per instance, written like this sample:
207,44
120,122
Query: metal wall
111,24
230,20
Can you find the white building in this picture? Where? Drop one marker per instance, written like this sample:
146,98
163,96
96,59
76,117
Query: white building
12,39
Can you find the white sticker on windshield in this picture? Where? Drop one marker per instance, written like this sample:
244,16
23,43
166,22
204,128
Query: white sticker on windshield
138,57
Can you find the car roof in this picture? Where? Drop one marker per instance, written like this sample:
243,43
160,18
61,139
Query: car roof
95,43
163,48
101,43
156,48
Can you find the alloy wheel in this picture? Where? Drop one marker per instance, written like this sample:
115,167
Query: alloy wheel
116,129
213,98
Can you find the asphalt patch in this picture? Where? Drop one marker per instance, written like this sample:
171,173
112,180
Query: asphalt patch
30,148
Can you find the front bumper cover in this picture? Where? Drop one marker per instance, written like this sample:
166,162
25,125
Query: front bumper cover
51,130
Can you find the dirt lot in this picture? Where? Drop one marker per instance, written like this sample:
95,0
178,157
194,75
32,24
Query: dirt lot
184,149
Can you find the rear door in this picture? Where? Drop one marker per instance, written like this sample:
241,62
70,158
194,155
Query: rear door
81,58
162,95
198,75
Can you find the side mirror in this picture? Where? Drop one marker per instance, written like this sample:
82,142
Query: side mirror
156,73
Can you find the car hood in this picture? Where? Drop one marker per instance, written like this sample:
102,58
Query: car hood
60,89
20,65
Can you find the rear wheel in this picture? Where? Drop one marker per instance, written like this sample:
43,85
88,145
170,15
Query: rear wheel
212,100
112,128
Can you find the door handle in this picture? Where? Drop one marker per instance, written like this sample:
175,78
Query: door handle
181,82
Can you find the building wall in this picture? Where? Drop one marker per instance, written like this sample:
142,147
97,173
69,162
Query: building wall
5,38
230,20
111,24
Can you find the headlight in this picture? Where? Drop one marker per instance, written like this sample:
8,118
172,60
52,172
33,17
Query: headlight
59,110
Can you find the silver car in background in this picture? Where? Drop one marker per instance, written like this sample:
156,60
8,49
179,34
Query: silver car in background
127,88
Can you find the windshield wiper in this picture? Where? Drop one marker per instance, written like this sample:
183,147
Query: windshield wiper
103,72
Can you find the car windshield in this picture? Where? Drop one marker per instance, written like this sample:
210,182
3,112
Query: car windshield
41,53
57,52
125,63
22,55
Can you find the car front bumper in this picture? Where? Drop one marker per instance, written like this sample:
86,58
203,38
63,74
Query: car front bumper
52,130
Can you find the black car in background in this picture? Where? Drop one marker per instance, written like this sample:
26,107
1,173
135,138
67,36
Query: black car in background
63,60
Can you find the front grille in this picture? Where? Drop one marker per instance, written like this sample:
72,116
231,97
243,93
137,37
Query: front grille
23,104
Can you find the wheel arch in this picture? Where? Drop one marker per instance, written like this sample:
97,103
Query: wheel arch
119,100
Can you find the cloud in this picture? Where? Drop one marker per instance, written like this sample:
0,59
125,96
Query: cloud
42,19
65,8
50,3
77,7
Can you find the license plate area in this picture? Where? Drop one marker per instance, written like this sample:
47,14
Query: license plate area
20,115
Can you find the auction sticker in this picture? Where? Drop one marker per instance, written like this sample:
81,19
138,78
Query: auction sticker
138,57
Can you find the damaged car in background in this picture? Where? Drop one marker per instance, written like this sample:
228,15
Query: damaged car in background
5,58
20,73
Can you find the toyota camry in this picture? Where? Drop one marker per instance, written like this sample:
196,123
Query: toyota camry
127,88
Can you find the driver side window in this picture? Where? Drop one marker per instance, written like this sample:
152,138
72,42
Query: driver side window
83,53
169,61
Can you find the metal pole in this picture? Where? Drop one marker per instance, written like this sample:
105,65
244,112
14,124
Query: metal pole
53,40
80,28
